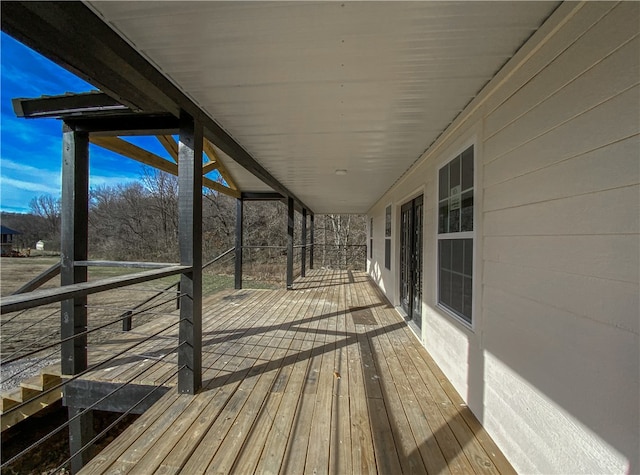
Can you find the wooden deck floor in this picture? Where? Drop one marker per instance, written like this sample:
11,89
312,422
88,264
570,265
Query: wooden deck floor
323,379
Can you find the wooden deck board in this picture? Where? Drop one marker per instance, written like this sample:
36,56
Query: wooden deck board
326,378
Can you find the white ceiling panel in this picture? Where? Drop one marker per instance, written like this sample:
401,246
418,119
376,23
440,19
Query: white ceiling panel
310,87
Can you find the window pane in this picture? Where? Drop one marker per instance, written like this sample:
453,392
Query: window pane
454,220
445,288
468,257
445,254
467,168
457,255
454,172
466,220
443,217
456,292
387,222
467,299
443,183
387,253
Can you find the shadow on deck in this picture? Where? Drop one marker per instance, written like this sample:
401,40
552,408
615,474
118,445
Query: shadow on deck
326,378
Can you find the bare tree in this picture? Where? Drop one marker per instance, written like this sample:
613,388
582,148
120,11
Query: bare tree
47,207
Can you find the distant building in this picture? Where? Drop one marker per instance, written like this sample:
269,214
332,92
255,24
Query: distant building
6,240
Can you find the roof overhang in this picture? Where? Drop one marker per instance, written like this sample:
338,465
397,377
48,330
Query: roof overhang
293,92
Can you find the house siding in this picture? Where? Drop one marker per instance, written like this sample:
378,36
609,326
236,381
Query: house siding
551,363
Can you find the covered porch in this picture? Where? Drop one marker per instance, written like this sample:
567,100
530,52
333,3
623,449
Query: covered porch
326,378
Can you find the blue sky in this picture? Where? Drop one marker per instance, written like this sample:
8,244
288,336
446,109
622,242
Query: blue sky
31,150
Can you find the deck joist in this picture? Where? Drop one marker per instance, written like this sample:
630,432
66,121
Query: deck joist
326,378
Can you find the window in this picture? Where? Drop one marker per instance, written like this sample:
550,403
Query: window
455,235
387,238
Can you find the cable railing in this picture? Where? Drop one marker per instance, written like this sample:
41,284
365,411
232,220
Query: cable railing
148,352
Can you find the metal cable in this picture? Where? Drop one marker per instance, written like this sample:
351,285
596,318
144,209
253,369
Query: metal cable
29,367
113,424
21,312
72,337
91,368
34,342
32,325
62,426
137,312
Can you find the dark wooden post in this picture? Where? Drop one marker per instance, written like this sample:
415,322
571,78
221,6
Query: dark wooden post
303,272
190,235
74,244
290,222
239,242
312,243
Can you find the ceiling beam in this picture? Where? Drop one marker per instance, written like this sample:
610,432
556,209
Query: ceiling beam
126,124
73,36
170,145
126,149
93,102
213,156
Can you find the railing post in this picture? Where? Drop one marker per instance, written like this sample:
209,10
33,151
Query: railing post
303,259
74,244
311,238
190,235
290,223
239,242
127,321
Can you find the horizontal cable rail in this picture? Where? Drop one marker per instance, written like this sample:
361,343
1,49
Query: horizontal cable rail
91,368
114,423
86,332
95,404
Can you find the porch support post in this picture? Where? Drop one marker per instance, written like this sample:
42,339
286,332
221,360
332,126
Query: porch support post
312,242
80,433
74,244
303,273
290,223
239,242
190,235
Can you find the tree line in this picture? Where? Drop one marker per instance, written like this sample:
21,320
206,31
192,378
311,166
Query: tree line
138,221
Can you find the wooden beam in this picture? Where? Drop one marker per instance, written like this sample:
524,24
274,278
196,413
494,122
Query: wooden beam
213,156
214,185
126,123
239,242
126,149
74,217
169,145
290,237
67,104
122,147
209,166
13,303
190,231
303,259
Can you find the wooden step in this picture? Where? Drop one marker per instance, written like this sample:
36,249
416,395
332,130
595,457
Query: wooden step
32,407
42,382
30,393
11,398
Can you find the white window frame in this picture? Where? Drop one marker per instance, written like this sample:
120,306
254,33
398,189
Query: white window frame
389,207
459,235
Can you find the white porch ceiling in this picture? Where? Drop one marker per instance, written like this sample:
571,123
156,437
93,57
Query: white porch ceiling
311,87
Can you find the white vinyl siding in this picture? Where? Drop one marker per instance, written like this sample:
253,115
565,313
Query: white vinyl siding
555,350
